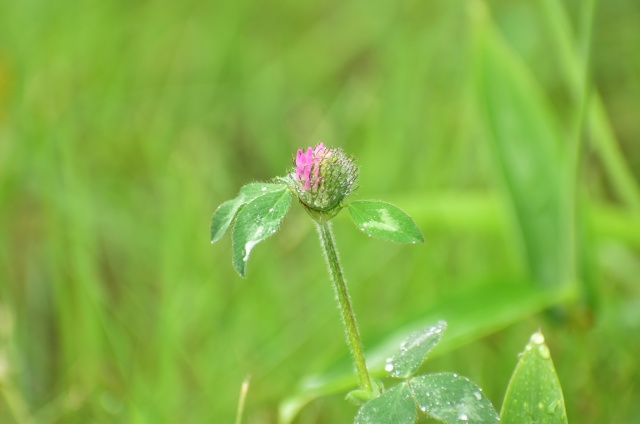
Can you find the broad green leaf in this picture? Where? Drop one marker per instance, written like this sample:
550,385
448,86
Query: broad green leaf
252,190
414,350
384,221
470,314
395,406
534,394
226,212
258,220
223,216
529,156
451,398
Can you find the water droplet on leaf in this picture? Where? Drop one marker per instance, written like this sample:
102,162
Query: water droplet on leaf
544,351
537,338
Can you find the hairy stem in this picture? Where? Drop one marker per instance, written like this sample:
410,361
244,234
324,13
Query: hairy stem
348,317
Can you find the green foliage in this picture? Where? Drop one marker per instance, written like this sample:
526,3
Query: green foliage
396,405
529,157
534,394
470,314
226,212
359,396
414,350
384,221
447,397
261,207
124,124
258,220
451,398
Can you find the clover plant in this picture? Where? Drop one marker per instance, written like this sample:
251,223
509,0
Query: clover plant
321,180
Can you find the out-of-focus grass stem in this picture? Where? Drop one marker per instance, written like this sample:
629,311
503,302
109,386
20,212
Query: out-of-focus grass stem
596,120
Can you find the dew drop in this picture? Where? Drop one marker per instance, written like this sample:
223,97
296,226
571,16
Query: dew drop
537,338
423,408
264,189
463,417
388,367
477,395
271,210
544,351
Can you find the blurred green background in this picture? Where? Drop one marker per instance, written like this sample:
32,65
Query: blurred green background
124,124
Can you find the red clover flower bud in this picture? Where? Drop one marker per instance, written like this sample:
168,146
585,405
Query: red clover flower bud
322,178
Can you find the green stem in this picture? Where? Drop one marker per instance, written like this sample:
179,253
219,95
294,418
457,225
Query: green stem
348,317
243,396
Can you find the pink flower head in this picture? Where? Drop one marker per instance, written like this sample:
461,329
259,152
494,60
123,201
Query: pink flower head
308,162
323,176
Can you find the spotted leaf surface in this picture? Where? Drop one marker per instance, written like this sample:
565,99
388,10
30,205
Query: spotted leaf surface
384,221
413,350
395,406
534,394
451,398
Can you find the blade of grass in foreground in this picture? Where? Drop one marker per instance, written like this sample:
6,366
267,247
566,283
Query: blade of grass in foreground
534,393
